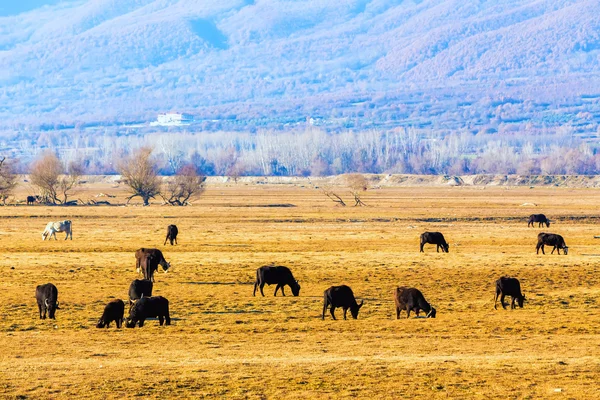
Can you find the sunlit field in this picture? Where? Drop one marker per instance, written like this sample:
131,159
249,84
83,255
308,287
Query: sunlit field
225,343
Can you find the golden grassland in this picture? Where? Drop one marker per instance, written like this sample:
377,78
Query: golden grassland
225,343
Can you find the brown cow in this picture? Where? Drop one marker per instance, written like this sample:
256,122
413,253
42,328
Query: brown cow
148,260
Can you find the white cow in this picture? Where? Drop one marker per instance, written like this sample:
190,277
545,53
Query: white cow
60,226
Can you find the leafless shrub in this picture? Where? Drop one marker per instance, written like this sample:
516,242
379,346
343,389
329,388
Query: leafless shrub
328,191
139,172
54,182
186,184
357,184
8,180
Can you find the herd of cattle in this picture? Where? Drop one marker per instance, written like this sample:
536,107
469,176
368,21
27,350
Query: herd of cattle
142,305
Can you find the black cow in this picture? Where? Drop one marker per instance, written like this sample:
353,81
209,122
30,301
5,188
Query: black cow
506,286
149,307
280,276
148,260
540,219
47,300
139,288
113,311
340,296
172,232
434,238
551,239
33,199
411,299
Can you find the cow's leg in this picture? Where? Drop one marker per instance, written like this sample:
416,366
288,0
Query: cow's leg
422,244
40,309
166,238
44,309
277,288
119,322
282,292
502,301
255,285
407,312
417,312
512,303
496,299
543,252
161,320
175,240
331,310
141,322
345,311
262,285
397,312
324,308
437,248
167,319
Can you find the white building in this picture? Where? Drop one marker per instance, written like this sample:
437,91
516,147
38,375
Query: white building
173,118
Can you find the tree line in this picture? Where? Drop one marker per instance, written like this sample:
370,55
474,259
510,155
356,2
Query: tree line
55,181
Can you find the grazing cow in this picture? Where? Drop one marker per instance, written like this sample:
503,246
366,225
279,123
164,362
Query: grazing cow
32,199
540,219
139,288
434,238
551,239
172,232
148,260
113,311
411,299
506,286
280,276
60,226
47,300
340,296
149,307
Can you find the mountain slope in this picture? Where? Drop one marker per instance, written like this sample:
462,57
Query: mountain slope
126,60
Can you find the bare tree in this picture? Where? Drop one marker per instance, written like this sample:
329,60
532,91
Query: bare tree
184,185
329,192
139,172
8,180
357,184
53,182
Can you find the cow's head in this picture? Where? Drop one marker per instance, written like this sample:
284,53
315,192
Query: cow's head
354,309
165,265
547,223
100,323
520,300
431,313
295,288
130,323
566,249
446,247
51,306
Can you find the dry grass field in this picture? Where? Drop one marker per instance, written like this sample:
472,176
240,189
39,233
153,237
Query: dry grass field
225,343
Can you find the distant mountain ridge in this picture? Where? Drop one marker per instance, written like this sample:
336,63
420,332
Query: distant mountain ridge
445,64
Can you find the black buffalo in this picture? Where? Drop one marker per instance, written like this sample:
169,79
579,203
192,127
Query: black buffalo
506,286
148,260
113,311
340,296
47,300
279,276
551,239
434,238
172,232
411,299
139,288
540,219
33,199
149,307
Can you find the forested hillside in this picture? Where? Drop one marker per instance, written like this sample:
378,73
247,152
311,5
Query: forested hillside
252,64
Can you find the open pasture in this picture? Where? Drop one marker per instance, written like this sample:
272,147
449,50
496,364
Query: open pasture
224,343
